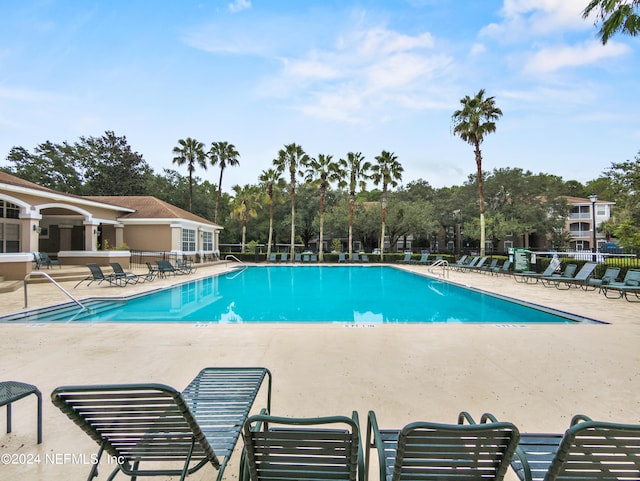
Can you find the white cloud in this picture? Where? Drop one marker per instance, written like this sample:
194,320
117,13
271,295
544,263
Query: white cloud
239,5
523,19
555,58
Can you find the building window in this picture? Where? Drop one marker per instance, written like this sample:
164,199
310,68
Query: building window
188,240
207,241
9,227
508,245
601,210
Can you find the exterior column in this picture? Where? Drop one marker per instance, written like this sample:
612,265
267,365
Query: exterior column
90,236
176,238
119,229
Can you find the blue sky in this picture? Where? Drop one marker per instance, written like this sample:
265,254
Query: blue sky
332,76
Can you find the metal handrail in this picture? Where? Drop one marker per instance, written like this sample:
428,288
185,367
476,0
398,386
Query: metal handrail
44,274
439,263
231,256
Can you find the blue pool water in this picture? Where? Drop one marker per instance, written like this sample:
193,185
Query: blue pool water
344,294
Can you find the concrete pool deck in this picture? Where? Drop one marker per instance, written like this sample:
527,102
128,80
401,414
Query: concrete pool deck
536,376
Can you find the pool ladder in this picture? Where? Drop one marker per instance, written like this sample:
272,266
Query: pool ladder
47,276
444,264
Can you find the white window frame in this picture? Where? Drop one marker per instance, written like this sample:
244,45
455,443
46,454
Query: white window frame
207,241
188,240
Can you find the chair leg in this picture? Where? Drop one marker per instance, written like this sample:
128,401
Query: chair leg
9,418
39,396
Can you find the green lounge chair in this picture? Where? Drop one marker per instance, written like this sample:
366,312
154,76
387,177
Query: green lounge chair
424,259
129,277
588,450
138,425
297,257
165,267
12,391
326,448
629,285
48,261
365,258
284,257
306,258
503,269
579,280
609,276
273,257
475,263
461,262
527,276
355,257
342,257
489,268
568,273
98,276
184,266
442,452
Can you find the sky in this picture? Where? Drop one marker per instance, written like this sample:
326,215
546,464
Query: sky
332,76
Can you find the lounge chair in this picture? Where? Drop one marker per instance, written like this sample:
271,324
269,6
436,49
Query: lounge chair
475,263
306,258
569,272
325,448
579,280
98,276
609,276
137,425
342,257
129,277
155,271
273,257
527,276
12,391
355,257
297,257
464,264
462,261
629,285
442,452
503,269
314,258
284,257
48,261
489,268
588,450
424,259
364,258
37,261
165,267
405,260
185,267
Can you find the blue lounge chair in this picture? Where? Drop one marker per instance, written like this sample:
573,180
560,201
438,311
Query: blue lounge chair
139,425
365,258
355,257
342,257
424,259
273,257
325,448
504,269
406,259
284,257
297,257
442,452
306,258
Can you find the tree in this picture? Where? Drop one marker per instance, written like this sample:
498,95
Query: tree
615,16
292,158
356,170
270,179
386,172
222,154
321,171
471,123
244,204
111,167
191,152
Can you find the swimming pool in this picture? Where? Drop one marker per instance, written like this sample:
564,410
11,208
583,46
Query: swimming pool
338,294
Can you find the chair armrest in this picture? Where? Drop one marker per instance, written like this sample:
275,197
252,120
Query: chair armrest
376,442
361,470
465,416
488,418
579,418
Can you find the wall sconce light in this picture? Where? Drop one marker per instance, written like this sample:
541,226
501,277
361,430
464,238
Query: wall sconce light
37,229
95,231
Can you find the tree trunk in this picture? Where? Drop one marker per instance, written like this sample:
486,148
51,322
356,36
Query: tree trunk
270,227
384,220
321,239
352,202
215,212
480,199
293,217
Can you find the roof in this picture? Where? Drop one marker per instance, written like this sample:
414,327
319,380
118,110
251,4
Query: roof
148,207
583,200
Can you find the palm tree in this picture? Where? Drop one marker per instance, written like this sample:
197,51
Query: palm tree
222,154
291,158
357,170
191,152
321,171
616,16
471,123
243,206
269,179
387,171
